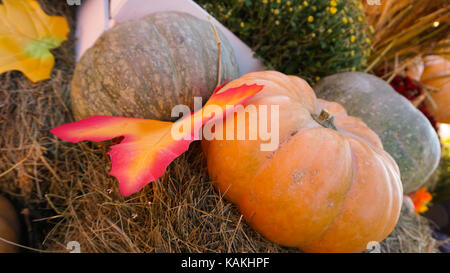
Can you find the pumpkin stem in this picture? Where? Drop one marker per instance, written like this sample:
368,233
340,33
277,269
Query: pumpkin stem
325,118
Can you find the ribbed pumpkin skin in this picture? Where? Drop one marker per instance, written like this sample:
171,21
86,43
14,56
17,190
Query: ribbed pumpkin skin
322,190
405,132
143,68
436,74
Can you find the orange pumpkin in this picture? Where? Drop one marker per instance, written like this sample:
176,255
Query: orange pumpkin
436,74
9,226
328,187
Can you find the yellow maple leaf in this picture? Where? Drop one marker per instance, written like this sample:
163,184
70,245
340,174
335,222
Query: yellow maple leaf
26,36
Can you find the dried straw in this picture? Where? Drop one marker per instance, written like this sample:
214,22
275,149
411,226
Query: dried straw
405,28
411,235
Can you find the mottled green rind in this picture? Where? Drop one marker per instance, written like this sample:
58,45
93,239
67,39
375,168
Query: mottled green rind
405,132
143,68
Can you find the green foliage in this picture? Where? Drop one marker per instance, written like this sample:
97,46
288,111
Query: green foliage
311,39
441,191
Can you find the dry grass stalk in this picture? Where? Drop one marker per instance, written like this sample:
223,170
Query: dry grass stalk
411,235
406,28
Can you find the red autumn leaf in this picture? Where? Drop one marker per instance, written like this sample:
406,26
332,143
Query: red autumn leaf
421,199
148,146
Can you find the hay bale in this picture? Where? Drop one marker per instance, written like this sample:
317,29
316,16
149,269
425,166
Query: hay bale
27,112
412,234
67,194
181,212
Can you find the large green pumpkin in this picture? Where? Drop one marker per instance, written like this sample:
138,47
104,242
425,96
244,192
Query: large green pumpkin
143,68
405,132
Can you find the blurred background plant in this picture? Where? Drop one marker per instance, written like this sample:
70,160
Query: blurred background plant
441,185
311,39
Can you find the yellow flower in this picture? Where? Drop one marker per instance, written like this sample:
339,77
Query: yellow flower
317,78
371,29
329,30
314,8
242,24
344,20
333,3
360,19
313,35
310,19
288,3
368,40
278,1
333,10
277,22
305,3
350,20
352,38
276,11
353,69
290,9
264,1
352,53
351,31
299,7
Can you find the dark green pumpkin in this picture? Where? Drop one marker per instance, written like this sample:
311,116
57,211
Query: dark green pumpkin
143,68
405,132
